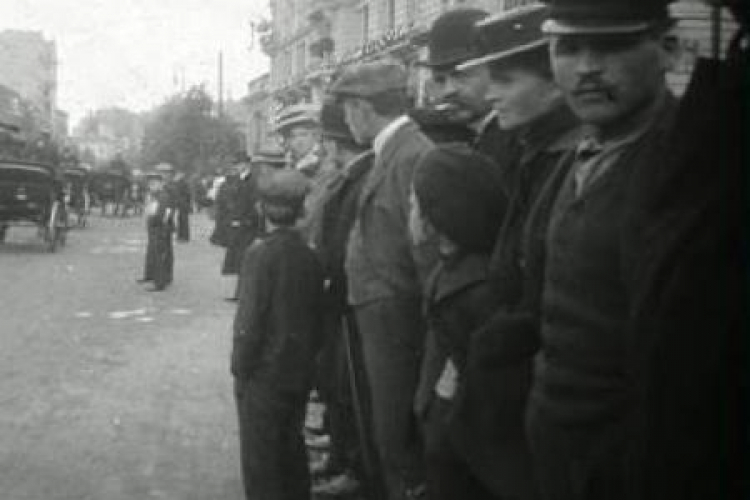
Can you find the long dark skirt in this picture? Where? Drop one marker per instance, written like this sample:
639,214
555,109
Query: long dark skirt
159,256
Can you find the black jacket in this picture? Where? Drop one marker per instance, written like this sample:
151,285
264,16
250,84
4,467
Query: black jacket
277,328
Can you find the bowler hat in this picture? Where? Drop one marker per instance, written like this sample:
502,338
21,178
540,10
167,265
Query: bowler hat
333,123
508,34
370,79
460,195
604,17
452,38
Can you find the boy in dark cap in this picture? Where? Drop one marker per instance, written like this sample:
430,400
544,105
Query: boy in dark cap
460,198
277,334
610,58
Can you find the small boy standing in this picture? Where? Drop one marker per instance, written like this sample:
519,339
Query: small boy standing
460,197
277,334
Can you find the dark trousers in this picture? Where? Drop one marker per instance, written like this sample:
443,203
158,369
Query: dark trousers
159,256
272,448
335,392
584,462
392,334
183,224
448,474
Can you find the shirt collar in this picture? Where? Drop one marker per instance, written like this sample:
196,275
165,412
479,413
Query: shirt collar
481,125
380,140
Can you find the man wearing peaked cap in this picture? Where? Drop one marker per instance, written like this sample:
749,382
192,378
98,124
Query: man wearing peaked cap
385,267
610,59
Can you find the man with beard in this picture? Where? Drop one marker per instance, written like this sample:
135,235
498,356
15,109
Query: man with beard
610,59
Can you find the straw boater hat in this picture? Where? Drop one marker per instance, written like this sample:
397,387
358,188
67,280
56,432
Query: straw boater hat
297,114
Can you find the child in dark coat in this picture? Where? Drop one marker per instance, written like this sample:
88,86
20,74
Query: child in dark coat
460,196
277,334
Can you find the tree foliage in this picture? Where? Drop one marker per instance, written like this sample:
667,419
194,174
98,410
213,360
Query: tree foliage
184,133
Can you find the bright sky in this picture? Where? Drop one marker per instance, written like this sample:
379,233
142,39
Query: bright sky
133,53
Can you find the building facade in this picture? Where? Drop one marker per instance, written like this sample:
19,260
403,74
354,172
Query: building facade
30,68
309,41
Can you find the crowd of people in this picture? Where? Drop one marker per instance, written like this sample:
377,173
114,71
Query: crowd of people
527,291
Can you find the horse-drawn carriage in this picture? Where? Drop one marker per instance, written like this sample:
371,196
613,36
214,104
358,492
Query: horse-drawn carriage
110,189
77,197
32,194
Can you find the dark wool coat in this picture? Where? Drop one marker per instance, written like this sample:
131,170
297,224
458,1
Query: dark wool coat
687,320
337,221
244,222
277,328
222,220
581,373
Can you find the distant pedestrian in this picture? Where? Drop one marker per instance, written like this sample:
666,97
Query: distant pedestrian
277,334
241,220
183,201
159,265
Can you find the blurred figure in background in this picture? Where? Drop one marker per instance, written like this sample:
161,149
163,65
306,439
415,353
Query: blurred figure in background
160,208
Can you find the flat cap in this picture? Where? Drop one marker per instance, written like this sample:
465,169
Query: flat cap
369,79
297,114
452,38
604,17
509,33
285,187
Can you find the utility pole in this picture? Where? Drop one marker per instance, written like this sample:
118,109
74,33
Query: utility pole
221,84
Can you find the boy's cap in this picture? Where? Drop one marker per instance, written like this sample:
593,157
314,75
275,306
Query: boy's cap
369,79
452,38
285,187
297,114
604,17
460,194
333,122
508,34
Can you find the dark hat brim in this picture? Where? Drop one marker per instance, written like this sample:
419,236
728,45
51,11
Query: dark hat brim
497,56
